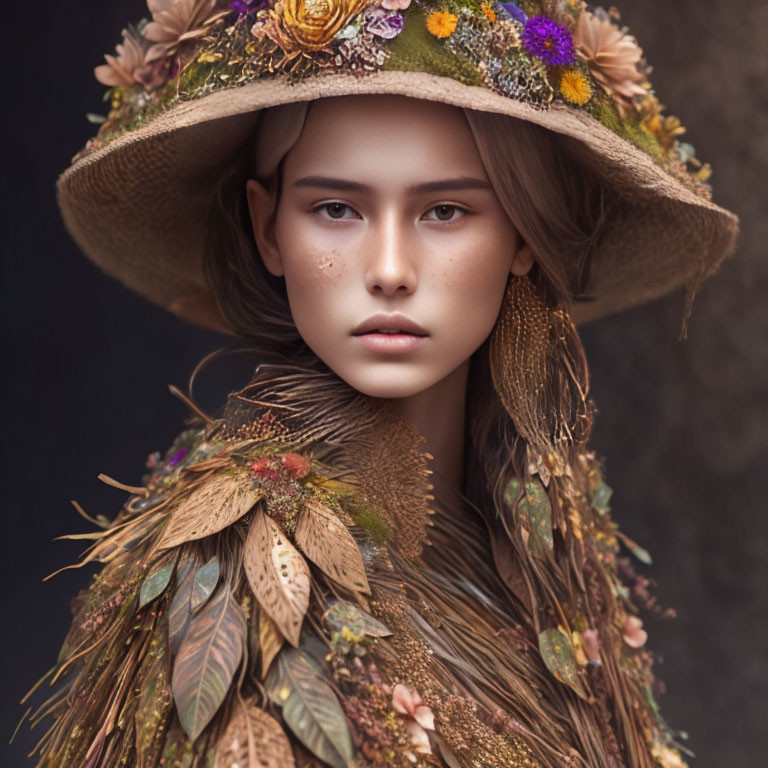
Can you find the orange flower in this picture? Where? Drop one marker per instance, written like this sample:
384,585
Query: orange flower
442,24
489,12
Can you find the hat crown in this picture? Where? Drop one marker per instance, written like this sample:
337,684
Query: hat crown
546,53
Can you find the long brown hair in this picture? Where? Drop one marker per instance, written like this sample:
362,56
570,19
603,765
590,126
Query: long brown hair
550,189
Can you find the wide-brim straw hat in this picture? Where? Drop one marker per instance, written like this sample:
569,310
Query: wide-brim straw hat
137,199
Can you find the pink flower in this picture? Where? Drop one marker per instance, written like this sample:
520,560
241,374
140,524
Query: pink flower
634,635
264,467
590,642
395,5
409,703
296,464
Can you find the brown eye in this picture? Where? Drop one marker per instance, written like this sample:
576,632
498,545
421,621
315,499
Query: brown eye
445,212
336,210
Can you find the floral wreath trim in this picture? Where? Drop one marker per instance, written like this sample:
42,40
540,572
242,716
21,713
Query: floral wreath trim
538,52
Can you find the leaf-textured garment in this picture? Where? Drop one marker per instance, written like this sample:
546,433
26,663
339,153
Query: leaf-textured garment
270,598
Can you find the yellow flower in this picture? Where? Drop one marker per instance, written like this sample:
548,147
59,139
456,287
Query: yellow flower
575,87
489,12
314,23
442,24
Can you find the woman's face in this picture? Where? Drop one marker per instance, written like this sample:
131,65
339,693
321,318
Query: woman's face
387,220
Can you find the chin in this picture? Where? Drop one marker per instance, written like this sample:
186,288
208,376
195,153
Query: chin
388,386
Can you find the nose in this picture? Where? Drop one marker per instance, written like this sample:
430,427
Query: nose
390,268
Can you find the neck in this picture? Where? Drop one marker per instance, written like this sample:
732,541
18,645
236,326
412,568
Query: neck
438,414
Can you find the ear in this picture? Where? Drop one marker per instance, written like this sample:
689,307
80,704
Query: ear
522,261
262,205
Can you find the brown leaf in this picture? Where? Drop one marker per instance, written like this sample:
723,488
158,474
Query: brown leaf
207,660
216,504
278,575
328,543
181,610
253,738
270,641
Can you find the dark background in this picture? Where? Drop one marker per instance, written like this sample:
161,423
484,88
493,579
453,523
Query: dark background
684,426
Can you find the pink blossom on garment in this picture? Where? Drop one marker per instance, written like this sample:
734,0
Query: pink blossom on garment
634,635
409,703
590,642
395,5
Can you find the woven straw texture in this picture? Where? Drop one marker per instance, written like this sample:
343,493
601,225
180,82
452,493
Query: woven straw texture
138,206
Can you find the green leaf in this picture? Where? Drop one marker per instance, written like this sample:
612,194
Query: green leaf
207,660
158,579
204,583
343,613
534,512
310,707
602,498
559,656
641,554
180,612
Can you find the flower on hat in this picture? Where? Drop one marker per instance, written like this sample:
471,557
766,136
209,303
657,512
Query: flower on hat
489,12
395,5
175,22
612,56
130,67
575,87
442,24
549,41
517,13
383,23
419,715
296,464
633,633
314,23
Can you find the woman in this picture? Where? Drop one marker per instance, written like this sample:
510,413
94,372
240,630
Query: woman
401,213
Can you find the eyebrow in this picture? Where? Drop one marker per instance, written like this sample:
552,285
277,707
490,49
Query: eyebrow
343,185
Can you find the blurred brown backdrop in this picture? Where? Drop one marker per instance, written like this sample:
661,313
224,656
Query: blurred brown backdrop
683,426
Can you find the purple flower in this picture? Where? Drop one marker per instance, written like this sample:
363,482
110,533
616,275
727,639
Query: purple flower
244,7
177,457
383,23
518,14
549,41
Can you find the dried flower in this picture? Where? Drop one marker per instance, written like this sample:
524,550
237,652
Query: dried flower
174,22
612,56
409,703
246,7
549,41
381,23
575,87
130,67
442,24
667,757
395,5
312,24
264,467
296,464
634,635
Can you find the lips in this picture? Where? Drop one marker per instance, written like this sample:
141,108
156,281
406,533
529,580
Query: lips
395,322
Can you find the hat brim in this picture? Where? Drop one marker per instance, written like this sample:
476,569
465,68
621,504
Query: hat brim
138,206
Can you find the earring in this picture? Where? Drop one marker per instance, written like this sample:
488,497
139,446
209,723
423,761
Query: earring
539,370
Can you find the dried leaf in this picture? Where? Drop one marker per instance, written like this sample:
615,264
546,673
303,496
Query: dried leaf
328,543
534,512
204,583
270,641
154,703
207,661
278,575
559,656
180,612
216,504
158,578
253,738
310,707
